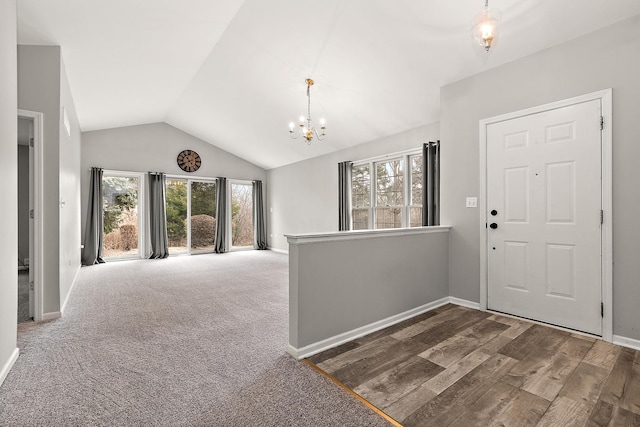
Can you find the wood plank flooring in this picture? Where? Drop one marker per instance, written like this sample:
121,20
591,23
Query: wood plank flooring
455,366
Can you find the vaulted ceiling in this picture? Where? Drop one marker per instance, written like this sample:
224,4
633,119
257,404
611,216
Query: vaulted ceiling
232,72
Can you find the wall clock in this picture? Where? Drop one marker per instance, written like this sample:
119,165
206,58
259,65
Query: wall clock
189,160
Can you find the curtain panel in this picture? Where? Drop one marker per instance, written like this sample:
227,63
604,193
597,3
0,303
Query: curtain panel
431,183
344,196
158,215
260,232
92,251
220,245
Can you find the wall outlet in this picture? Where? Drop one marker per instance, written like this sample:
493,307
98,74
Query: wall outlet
472,202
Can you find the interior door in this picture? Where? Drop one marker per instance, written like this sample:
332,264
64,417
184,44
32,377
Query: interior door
544,206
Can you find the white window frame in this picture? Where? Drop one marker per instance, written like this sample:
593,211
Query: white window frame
371,162
142,209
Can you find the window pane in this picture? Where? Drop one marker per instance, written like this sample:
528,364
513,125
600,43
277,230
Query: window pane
120,216
203,216
360,219
241,215
176,200
416,180
390,183
388,217
415,217
360,186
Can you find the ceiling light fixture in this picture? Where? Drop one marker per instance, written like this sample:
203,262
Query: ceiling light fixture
485,26
307,131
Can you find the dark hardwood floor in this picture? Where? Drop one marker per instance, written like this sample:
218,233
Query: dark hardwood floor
455,366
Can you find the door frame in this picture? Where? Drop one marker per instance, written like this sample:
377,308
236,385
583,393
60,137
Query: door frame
606,231
37,174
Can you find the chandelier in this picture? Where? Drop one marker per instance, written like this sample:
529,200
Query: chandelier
307,131
485,26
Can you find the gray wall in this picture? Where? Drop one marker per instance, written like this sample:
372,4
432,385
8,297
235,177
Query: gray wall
304,195
385,275
39,90
609,58
43,87
23,202
8,176
155,147
69,175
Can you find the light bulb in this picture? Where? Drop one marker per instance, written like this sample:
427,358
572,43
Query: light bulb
291,125
322,122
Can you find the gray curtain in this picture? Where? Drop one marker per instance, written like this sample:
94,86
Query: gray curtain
344,196
260,232
92,251
431,183
221,216
158,215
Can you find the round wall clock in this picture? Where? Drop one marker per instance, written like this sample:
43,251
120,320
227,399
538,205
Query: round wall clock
189,160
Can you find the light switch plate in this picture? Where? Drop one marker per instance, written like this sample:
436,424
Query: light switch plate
472,202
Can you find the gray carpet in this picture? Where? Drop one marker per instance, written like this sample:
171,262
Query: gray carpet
197,341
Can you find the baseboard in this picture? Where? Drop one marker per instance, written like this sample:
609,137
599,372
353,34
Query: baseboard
280,251
626,342
51,316
7,366
66,300
464,303
326,344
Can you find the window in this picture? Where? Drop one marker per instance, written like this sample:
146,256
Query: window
361,196
191,215
241,215
395,198
121,214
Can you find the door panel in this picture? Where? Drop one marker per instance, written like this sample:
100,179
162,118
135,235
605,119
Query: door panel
544,180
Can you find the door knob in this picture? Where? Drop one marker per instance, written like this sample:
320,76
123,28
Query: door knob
494,212
493,225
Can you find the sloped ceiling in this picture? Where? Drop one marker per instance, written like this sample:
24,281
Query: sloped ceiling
232,72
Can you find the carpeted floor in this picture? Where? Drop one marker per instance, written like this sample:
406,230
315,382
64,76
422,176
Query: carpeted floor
194,340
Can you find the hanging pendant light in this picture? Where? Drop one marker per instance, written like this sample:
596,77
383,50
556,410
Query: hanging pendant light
485,27
307,131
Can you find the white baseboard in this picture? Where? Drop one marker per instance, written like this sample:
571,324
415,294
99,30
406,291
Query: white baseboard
626,342
464,303
51,316
326,344
280,251
8,365
66,300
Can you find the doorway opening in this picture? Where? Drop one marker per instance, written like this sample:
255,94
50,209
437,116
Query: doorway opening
29,168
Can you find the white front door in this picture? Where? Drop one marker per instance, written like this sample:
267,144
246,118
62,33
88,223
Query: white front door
543,216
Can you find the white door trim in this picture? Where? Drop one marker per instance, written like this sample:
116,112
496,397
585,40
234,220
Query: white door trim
605,97
38,204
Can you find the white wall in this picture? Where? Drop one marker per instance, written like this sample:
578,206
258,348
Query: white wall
70,146
304,195
8,176
609,58
155,147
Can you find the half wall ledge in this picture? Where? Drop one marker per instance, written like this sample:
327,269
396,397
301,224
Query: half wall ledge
347,284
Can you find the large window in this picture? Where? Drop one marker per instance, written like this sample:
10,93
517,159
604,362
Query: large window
241,215
191,215
121,210
387,193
